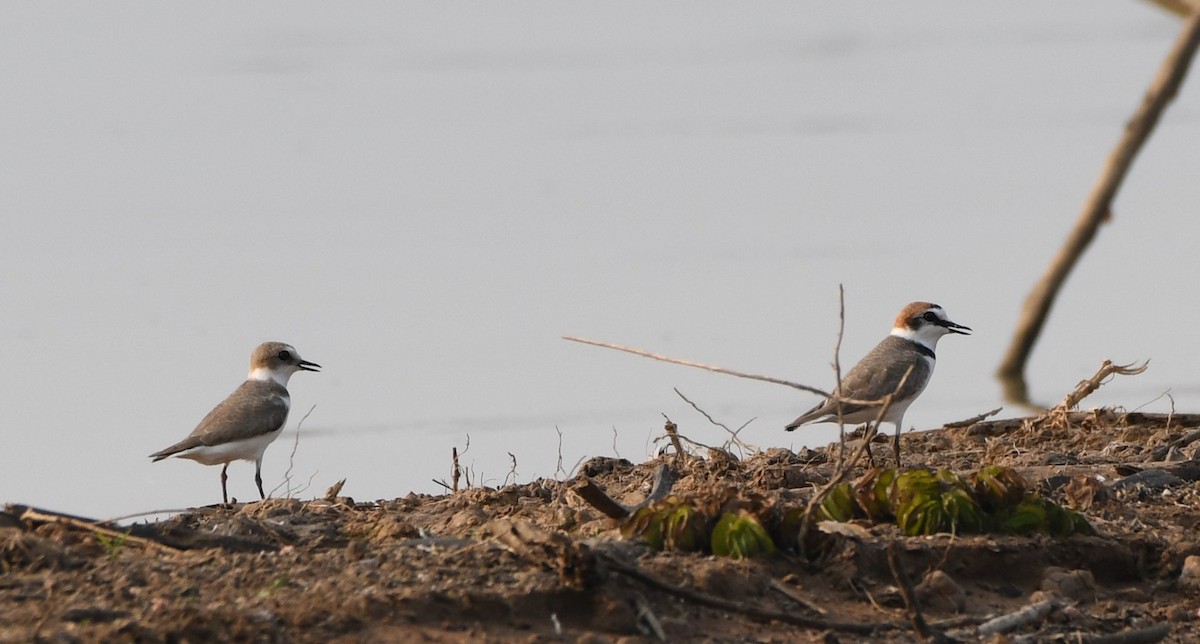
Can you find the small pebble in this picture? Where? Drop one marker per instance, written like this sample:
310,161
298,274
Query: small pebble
940,592
1073,585
1189,576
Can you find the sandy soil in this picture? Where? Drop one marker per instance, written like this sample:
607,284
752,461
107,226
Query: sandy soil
535,562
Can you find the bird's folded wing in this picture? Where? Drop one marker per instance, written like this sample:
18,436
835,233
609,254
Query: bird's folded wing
254,409
869,385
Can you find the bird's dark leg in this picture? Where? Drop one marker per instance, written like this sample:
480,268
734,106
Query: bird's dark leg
258,478
896,445
224,477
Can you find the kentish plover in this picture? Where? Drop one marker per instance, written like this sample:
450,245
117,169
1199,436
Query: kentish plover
241,427
914,337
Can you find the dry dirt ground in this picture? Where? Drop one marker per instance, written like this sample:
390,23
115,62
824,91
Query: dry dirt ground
535,562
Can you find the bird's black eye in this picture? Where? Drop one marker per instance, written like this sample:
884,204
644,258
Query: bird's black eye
929,317
286,356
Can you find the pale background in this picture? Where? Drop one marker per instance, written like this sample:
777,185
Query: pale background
423,197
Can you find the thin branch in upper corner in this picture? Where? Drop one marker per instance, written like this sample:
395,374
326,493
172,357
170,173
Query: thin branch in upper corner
614,428
698,365
1097,208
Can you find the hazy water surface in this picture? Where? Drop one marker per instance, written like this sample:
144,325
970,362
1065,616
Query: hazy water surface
423,197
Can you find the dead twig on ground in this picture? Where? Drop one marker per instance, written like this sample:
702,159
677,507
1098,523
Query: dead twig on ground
1097,209
664,480
751,611
782,589
1147,635
1012,621
558,469
646,616
1086,387
909,595
685,439
672,431
967,422
334,490
698,365
512,472
455,470
733,435
597,498
35,515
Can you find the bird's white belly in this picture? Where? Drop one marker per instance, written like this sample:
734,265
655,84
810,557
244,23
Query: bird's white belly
247,449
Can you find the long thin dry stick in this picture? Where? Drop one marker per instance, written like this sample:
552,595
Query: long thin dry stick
910,596
698,365
1096,210
837,371
33,515
1016,619
967,422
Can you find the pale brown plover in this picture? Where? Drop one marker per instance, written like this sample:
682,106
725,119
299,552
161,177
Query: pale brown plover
914,337
241,427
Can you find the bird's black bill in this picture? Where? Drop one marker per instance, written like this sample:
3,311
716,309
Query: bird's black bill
305,365
956,328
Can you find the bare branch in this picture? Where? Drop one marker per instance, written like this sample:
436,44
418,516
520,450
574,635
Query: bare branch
1097,209
689,363
837,371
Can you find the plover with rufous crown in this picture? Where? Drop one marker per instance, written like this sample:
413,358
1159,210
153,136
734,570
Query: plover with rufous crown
911,344
244,424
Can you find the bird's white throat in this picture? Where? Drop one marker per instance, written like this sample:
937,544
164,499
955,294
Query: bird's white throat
280,376
926,336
